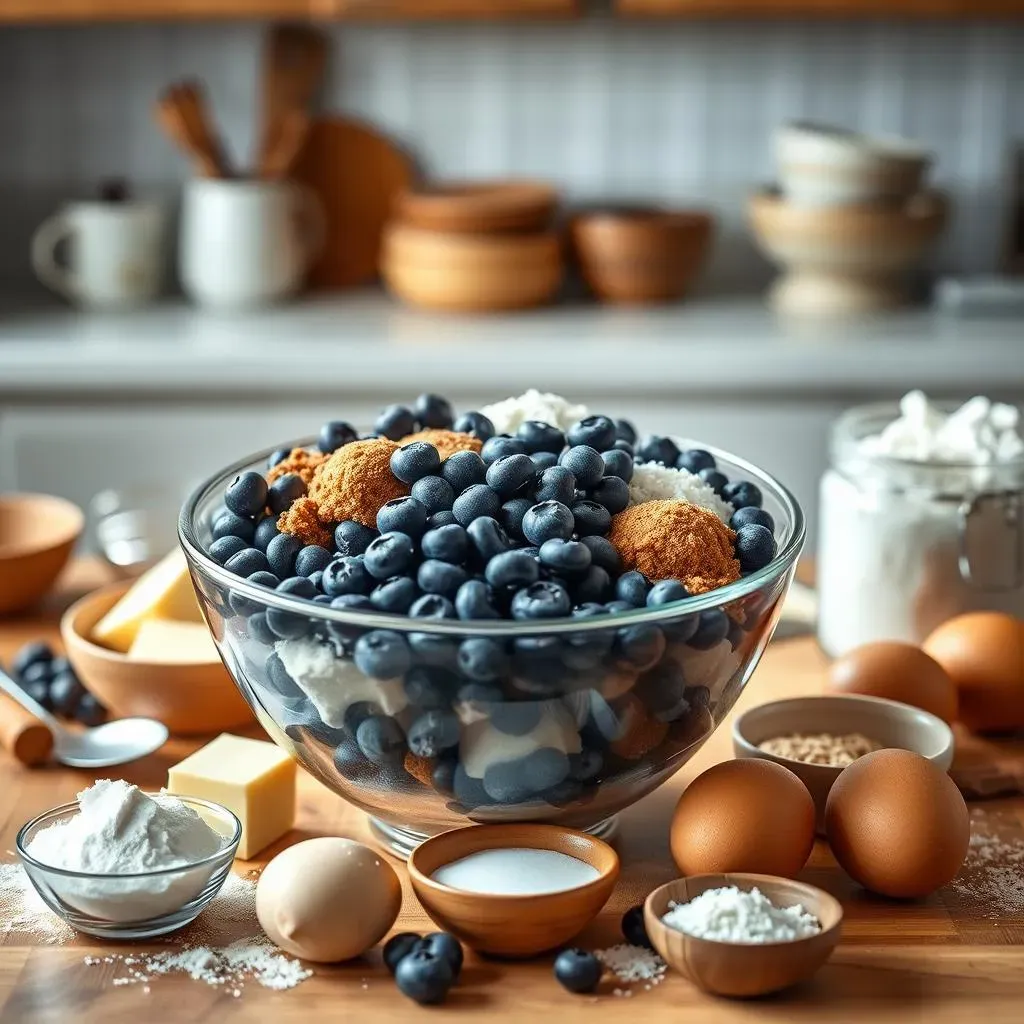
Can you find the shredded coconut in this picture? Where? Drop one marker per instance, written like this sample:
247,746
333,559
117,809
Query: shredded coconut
730,914
632,964
533,405
654,482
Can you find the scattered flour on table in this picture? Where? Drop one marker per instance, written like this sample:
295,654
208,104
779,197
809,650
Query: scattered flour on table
632,965
992,877
23,913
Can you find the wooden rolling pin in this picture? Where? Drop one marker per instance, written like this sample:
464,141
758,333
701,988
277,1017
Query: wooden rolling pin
21,733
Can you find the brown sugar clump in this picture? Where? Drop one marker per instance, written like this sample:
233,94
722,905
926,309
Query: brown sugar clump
676,540
447,442
640,733
356,481
302,521
298,461
418,767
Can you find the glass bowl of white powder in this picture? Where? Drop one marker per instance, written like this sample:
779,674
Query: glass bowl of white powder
186,844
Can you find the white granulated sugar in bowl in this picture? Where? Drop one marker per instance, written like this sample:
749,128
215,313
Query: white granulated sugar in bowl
733,915
654,482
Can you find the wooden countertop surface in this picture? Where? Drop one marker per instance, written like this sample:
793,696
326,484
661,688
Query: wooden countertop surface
950,958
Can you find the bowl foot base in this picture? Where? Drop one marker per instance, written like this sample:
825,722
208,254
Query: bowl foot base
400,841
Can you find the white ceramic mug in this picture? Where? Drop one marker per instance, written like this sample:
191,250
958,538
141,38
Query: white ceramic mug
246,243
115,253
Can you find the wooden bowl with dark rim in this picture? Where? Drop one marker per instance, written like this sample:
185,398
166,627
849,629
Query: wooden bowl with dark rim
512,926
744,970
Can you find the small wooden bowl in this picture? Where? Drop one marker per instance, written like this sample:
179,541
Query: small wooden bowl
512,926
642,255
37,535
190,699
887,721
744,969
484,207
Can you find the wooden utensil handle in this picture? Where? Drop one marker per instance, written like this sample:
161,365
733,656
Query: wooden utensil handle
22,734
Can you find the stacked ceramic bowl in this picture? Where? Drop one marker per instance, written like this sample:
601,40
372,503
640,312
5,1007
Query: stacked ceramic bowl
850,217
475,247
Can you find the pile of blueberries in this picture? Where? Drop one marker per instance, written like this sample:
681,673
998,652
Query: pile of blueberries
50,681
424,966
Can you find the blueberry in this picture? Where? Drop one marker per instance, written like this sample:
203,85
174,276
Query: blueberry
482,659
266,531
547,520
442,777
578,970
434,493
288,625
586,765
474,601
39,691
432,606
382,654
312,558
60,664
246,495
397,947
352,538
742,494
320,598
498,447
632,587
565,557
655,448
38,651
625,431
487,538
65,693
90,711
346,575
666,592
414,461
224,547
476,424
543,460
512,569
512,513
641,647
447,543
463,469
696,459
277,677
281,554
545,768
712,629
381,740
334,434
596,586
475,501
715,480
395,422
585,464
276,456
391,554
395,595
424,977
446,517
543,600
432,650
447,946
433,733
746,516
517,719
505,476
618,464
265,579
227,524
556,484
429,688
403,515
539,436
37,672
591,519
595,431
434,412
633,928
604,554
297,586
611,493
437,577
755,547
259,629
248,561
624,446
505,782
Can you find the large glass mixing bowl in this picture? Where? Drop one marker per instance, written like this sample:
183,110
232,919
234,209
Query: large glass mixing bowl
567,721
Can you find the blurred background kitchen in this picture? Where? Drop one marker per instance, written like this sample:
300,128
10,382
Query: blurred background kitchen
172,299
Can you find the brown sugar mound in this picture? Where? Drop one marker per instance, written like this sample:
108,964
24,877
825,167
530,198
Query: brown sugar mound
298,461
676,540
447,442
355,482
302,521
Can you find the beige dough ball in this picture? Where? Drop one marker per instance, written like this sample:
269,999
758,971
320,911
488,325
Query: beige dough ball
327,899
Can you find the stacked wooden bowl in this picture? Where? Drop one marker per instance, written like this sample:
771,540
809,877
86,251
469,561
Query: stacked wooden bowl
478,247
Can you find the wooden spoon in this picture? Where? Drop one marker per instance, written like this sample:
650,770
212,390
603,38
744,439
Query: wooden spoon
290,136
183,113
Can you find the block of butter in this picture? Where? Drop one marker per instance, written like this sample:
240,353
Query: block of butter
162,592
173,643
253,778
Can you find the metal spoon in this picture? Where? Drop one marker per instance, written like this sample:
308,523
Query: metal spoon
126,739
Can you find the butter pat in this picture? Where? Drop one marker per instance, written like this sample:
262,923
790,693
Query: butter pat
162,592
254,779
173,643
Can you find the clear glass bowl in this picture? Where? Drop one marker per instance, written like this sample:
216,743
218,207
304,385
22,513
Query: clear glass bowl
134,906
569,730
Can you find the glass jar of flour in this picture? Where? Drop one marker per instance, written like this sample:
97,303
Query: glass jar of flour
921,519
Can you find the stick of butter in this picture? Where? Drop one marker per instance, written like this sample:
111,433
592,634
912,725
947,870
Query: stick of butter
253,778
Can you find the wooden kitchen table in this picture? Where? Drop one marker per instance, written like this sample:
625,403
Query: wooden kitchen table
945,959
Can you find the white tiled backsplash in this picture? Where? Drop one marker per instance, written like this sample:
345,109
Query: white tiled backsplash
682,111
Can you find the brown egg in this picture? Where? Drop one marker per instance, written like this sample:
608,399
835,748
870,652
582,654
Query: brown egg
744,815
897,824
895,671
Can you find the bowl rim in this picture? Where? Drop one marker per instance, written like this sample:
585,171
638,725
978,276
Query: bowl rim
783,562
420,878
893,708
71,528
74,807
